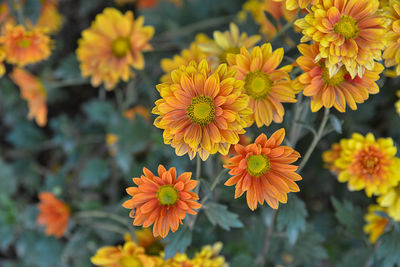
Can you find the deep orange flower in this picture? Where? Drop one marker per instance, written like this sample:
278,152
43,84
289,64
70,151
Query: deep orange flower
348,32
163,200
202,111
338,90
267,86
54,214
112,45
263,170
33,91
24,47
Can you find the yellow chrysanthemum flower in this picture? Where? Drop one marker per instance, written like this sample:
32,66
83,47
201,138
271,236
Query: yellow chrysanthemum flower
397,105
228,42
151,244
202,111
23,46
391,201
2,58
50,18
391,55
127,255
348,32
267,86
376,224
295,4
193,53
366,163
330,156
209,256
179,260
112,45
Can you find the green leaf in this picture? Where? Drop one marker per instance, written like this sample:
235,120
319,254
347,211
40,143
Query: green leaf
349,215
389,248
335,123
242,260
8,181
291,217
68,68
178,242
218,214
99,111
95,172
356,257
32,9
26,135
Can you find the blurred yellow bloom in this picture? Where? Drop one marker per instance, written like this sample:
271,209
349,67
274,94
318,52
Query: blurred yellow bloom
34,92
2,58
151,244
209,256
391,55
111,142
330,156
397,105
112,45
391,201
366,163
295,4
50,18
376,224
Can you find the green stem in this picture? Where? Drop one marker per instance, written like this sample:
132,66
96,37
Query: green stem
260,260
315,141
294,131
198,167
285,28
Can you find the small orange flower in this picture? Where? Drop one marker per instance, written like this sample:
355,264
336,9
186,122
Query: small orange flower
33,91
266,86
24,47
137,110
162,201
338,90
54,214
264,170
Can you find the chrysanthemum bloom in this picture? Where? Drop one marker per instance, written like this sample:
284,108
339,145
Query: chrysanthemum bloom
263,170
397,105
336,91
391,201
295,4
53,214
179,260
112,45
137,110
162,200
130,255
368,164
151,244
267,86
228,42
50,18
391,55
376,224
330,156
209,256
23,46
202,111
2,58
244,140
193,53
33,91
5,15
348,32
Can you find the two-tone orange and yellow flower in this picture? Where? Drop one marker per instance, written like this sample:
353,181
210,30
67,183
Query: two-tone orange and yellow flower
348,33
266,86
264,171
391,55
368,163
339,90
375,224
111,46
50,19
163,200
295,4
330,156
202,111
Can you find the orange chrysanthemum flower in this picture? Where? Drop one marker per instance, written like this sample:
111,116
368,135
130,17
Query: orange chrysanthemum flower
50,18
53,213
112,45
24,47
244,140
137,110
202,111
391,55
376,224
348,32
267,86
295,4
33,91
162,200
338,90
330,156
263,170
366,163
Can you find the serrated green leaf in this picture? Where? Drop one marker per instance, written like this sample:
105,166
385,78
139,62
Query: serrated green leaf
349,215
218,214
291,217
335,123
178,242
388,250
94,173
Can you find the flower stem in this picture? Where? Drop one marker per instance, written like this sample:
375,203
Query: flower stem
315,141
198,167
260,260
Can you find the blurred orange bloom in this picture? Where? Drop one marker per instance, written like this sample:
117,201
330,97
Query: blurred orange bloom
295,4
50,18
376,224
23,46
263,170
137,110
54,214
151,244
329,157
163,200
34,92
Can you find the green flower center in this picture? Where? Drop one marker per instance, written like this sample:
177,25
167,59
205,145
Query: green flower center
258,165
24,43
130,261
257,84
120,47
167,195
201,110
231,50
336,79
347,26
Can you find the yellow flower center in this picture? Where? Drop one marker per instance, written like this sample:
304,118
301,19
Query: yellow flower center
336,79
130,261
231,50
257,84
120,47
24,43
258,165
201,110
347,26
167,195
